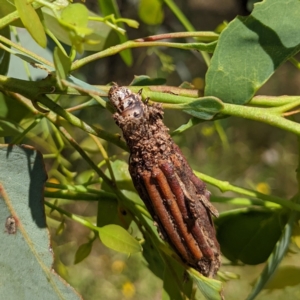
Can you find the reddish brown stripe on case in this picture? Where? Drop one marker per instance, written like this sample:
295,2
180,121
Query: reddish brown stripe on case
163,215
175,212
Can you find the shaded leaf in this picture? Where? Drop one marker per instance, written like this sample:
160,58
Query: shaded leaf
191,123
284,276
254,232
62,65
177,282
7,8
31,21
26,257
117,238
4,55
276,256
251,48
83,252
144,80
9,128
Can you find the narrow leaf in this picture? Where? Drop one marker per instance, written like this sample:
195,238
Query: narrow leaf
62,65
31,21
4,55
83,252
111,8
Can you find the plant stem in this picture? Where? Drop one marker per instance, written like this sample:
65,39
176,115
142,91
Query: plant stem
186,23
262,115
133,44
225,186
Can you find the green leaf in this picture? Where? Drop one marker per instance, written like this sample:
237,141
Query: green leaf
172,288
210,288
109,211
26,256
62,65
12,110
4,55
75,14
191,123
151,12
31,21
111,8
100,31
83,252
251,48
74,18
254,232
7,8
144,80
276,256
204,108
9,128
118,239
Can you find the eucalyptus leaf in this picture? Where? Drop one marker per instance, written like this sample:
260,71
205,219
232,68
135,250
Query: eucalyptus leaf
26,256
251,48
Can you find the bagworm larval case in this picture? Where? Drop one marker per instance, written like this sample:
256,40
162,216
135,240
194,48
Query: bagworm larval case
177,200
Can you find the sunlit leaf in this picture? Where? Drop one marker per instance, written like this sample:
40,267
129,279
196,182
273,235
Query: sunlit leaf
251,48
210,288
151,12
31,21
117,238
